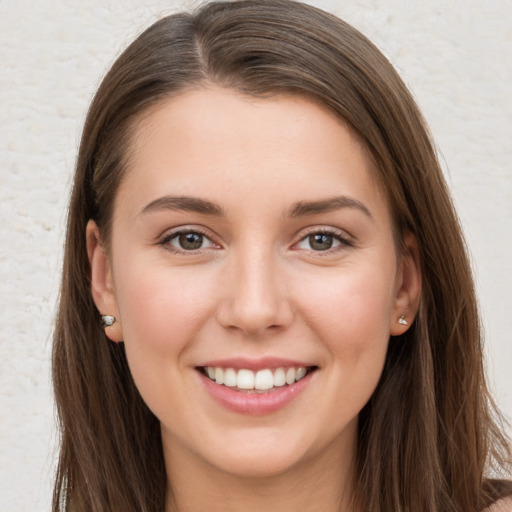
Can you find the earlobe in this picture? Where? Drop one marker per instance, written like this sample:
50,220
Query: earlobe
102,285
408,289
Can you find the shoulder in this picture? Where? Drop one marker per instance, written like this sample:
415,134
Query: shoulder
503,505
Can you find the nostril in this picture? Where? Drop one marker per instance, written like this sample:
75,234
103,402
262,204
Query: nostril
254,317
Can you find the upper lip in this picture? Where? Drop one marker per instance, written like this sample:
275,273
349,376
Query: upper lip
239,363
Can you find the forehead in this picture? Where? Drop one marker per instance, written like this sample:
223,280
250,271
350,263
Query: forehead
191,143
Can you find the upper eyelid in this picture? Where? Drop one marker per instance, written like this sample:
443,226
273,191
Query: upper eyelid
170,233
345,239
328,230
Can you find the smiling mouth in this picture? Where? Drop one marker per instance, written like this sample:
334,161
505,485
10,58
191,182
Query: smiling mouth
261,381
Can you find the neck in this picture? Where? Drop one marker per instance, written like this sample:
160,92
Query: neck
320,484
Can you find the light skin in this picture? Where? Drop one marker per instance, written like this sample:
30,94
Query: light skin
253,228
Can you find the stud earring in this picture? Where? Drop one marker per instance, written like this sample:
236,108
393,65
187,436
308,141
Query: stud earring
107,320
403,321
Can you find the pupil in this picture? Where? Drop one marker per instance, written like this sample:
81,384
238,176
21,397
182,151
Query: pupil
320,242
191,241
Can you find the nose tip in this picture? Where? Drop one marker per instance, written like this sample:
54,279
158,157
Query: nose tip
255,301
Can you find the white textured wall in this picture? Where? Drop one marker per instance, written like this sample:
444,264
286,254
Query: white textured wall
456,56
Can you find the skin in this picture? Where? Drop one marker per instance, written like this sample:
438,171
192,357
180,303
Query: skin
256,287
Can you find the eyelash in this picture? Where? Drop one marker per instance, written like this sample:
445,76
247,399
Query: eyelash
165,242
338,236
341,237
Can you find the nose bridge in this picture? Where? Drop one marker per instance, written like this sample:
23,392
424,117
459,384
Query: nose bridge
256,297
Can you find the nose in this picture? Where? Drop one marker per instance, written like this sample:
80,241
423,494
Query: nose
255,295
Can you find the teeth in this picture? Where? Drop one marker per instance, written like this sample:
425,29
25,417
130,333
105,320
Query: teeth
290,376
279,377
230,378
245,379
219,375
260,380
300,374
264,380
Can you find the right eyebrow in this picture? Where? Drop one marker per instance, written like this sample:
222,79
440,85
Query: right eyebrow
183,203
305,208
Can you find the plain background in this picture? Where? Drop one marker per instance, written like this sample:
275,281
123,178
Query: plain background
455,56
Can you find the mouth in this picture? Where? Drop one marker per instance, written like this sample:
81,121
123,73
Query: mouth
262,381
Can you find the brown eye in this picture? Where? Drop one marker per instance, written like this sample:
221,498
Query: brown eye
187,241
320,241
323,241
190,241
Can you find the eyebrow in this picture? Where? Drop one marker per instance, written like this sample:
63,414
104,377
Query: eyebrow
184,203
299,209
304,208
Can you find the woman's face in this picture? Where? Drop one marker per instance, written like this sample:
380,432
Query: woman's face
250,245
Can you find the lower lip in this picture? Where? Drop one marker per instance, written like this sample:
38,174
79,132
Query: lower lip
255,404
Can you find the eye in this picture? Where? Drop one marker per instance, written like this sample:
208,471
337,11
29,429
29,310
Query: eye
322,241
186,241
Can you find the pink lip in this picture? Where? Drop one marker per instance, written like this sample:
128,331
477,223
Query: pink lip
239,363
255,404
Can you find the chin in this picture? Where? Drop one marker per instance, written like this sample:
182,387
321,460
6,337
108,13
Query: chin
259,465
270,454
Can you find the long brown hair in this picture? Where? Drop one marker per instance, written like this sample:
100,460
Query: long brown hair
429,435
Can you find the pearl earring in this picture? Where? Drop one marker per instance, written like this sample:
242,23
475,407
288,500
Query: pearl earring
107,320
403,321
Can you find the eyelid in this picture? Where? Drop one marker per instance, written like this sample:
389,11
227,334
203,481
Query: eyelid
172,233
343,237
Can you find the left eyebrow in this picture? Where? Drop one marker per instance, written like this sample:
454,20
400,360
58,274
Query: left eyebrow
305,208
184,203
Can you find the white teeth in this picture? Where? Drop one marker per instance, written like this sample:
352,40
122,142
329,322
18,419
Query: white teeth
264,380
245,379
290,376
279,377
261,380
230,378
219,376
301,372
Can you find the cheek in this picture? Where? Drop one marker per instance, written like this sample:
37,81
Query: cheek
351,314
351,301
354,325
161,313
161,309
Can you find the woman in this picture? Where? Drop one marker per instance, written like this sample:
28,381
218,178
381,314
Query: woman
288,317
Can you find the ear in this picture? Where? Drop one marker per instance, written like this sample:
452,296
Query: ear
102,284
408,287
